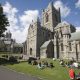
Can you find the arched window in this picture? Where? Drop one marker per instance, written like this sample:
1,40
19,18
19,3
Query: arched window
31,26
47,17
60,33
70,47
30,51
62,47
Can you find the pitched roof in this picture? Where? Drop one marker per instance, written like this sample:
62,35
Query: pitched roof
7,42
18,45
64,23
45,44
75,36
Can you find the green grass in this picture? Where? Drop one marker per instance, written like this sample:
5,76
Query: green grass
57,73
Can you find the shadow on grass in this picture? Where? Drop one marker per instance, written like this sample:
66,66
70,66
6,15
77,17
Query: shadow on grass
5,62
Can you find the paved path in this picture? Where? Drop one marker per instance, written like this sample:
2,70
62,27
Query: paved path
6,74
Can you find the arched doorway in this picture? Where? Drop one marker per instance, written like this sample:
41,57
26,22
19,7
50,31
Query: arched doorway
50,50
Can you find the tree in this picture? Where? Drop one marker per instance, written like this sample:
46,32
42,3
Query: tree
3,22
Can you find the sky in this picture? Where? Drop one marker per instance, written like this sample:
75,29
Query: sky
20,14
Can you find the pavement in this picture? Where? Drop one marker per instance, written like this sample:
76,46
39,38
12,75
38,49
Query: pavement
7,74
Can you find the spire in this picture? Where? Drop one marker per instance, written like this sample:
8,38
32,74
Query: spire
8,34
50,4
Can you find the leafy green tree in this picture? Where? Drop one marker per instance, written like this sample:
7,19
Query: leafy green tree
3,22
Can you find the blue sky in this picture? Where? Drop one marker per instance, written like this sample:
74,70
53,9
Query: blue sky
21,13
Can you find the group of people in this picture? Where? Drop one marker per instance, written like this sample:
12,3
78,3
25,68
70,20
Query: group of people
62,62
44,64
40,64
71,63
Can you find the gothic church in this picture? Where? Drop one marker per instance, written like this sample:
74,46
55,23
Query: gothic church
52,38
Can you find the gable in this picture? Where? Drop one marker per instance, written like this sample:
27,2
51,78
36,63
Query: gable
45,45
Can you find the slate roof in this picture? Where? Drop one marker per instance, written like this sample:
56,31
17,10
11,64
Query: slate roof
66,31
18,45
64,23
66,27
7,42
45,44
75,36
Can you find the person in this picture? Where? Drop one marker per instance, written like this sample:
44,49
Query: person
72,74
79,73
51,65
39,65
43,64
75,64
78,76
46,64
34,62
62,63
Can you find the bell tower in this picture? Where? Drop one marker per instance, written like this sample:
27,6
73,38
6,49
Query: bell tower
50,17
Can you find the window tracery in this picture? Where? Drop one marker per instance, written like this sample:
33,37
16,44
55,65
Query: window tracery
47,17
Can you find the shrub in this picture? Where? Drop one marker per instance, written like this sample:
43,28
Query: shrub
16,57
12,59
31,59
5,56
20,57
3,61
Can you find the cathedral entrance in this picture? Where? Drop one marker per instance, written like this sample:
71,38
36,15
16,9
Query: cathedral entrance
47,50
50,50
30,51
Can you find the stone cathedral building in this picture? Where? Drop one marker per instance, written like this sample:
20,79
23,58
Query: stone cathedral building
52,38
7,44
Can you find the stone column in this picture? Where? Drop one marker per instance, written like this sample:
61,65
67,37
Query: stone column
55,49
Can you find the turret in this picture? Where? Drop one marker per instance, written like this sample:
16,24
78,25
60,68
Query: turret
8,34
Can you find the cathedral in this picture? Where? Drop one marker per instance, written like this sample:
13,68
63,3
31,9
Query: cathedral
51,38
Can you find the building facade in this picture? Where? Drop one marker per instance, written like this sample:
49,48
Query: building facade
52,38
7,44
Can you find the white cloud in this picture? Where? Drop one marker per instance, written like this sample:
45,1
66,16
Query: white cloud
11,13
19,24
28,16
65,10
77,4
77,29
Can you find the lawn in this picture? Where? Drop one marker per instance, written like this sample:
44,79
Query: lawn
57,73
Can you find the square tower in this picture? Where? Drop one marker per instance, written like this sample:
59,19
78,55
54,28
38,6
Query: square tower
50,17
